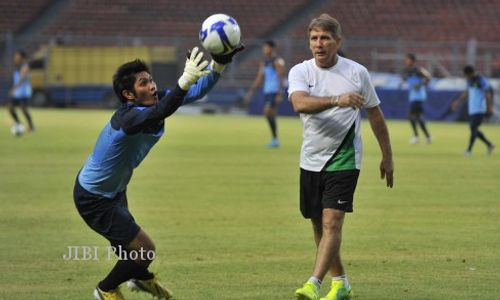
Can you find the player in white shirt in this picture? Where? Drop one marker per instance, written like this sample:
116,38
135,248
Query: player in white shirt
329,92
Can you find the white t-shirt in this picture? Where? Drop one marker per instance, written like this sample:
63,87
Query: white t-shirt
324,132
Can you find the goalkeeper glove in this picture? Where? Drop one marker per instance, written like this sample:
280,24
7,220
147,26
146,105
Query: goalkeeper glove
194,69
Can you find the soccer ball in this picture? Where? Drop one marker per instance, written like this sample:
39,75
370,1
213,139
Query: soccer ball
17,129
220,34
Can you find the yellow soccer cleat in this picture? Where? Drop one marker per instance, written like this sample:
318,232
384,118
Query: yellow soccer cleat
339,291
307,292
151,286
109,295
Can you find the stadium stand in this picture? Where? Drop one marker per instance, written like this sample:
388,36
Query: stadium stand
16,16
178,24
417,26
417,20
168,18
376,33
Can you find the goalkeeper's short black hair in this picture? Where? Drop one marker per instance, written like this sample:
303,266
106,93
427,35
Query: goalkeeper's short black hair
124,77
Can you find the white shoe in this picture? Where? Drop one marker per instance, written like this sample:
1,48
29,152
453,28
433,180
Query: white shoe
428,140
414,140
467,153
17,129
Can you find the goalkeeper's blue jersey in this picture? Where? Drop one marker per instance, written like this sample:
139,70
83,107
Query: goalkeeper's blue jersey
129,136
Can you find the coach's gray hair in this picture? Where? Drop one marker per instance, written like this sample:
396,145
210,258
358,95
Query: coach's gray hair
327,23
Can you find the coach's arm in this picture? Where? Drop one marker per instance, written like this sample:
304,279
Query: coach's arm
302,102
377,123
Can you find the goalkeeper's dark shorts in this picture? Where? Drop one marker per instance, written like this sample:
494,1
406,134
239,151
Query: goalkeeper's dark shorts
108,217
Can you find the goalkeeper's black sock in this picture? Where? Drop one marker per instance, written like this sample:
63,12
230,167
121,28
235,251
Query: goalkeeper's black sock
121,272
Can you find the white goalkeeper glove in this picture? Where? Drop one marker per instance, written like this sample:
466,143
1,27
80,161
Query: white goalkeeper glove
194,69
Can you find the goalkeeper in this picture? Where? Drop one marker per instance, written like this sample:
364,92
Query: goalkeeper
100,187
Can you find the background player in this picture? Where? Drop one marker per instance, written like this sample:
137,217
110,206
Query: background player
417,79
21,91
480,105
100,188
271,72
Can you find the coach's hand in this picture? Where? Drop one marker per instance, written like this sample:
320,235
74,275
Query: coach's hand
387,171
353,100
194,69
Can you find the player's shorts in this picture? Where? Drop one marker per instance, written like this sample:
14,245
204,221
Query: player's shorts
416,107
17,101
319,190
108,217
475,120
270,99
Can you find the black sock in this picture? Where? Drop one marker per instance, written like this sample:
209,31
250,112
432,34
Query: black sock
121,272
472,139
14,115
272,124
424,128
143,274
28,118
414,126
481,136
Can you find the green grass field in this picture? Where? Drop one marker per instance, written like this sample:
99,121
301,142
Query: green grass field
223,211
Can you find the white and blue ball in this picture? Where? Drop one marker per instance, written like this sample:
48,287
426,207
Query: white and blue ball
17,129
220,34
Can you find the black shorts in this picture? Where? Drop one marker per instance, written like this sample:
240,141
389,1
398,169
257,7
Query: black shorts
319,190
475,120
416,107
108,217
18,101
270,99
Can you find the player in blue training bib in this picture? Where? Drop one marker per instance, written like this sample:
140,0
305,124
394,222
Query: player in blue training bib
21,92
417,79
100,191
480,105
271,75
